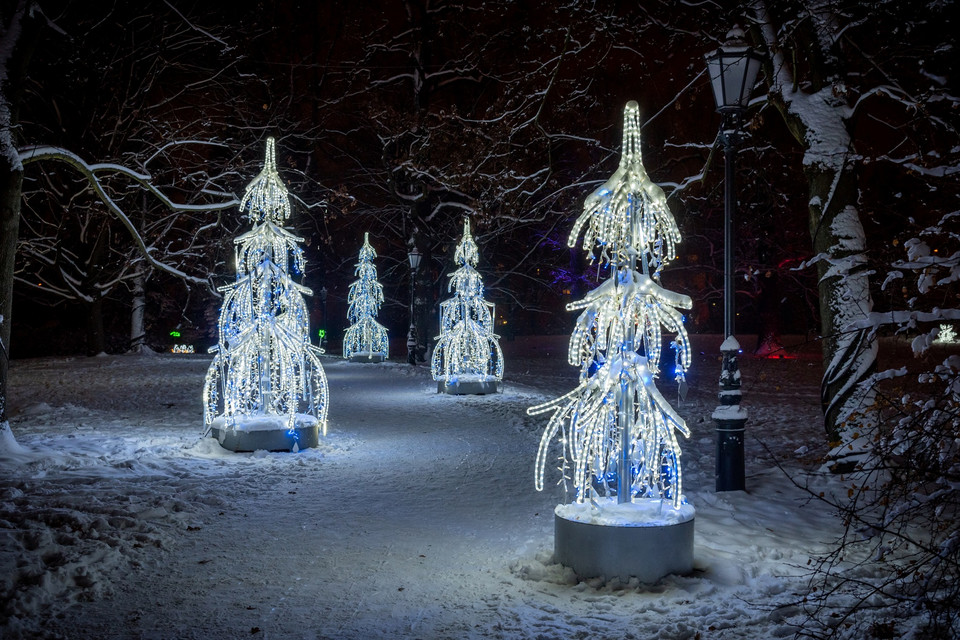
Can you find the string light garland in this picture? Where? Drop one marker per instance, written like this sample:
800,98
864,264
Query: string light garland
616,430
467,349
365,336
265,370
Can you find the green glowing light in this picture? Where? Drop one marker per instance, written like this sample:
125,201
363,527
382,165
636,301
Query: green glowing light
322,333
175,334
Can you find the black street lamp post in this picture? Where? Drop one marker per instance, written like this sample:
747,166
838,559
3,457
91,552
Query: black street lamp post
733,70
414,257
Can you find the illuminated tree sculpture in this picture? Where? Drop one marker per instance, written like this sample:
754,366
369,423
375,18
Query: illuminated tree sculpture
617,431
467,358
366,339
266,388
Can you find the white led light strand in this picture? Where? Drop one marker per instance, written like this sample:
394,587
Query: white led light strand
628,211
467,348
264,363
266,196
365,337
617,345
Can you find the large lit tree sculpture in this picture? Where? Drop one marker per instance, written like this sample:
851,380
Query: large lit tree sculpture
366,339
266,388
617,431
467,358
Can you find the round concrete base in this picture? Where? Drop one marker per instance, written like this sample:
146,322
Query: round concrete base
239,440
366,357
467,388
644,552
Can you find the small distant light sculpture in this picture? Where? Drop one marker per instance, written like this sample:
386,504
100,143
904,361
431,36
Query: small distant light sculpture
366,339
947,334
467,358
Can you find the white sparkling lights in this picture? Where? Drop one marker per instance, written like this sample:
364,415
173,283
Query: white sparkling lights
628,211
617,345
365,337
264,363
467,348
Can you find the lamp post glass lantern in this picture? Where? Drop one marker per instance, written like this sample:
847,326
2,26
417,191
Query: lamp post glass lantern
733,70
413,256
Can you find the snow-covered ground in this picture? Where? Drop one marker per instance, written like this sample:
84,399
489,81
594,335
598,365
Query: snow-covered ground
415,518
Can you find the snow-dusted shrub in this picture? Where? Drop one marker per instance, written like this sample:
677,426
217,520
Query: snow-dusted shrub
900,553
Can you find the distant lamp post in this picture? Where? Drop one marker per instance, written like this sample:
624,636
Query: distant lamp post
323,311
414,256
733,70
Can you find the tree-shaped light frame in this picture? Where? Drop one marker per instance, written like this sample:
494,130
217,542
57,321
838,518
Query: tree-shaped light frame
365,336
264,363
467,346
616,418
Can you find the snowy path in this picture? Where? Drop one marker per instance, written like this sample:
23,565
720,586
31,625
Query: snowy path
416,518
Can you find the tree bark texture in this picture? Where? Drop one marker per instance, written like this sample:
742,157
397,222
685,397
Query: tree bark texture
849,355
138,306
19,22
816,117
11,179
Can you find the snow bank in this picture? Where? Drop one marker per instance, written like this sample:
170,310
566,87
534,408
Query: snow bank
10,449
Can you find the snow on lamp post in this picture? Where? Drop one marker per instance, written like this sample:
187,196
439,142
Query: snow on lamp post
733,71
467,358
620,454
266,388
413,256
366,339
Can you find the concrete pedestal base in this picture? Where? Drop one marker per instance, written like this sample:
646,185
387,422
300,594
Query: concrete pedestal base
468,387
364,357
303,437
644,552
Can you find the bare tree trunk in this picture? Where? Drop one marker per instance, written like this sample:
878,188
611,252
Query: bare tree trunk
18,26
849,356
11,179
138,305
96,340
816,118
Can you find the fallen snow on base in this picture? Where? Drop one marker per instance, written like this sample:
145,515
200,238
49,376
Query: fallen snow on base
415,517
262,422
468,377
640,513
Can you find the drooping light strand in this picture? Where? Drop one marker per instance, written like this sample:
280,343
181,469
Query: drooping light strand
264,363
365,336
628,211
467,348
617,432
266,196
